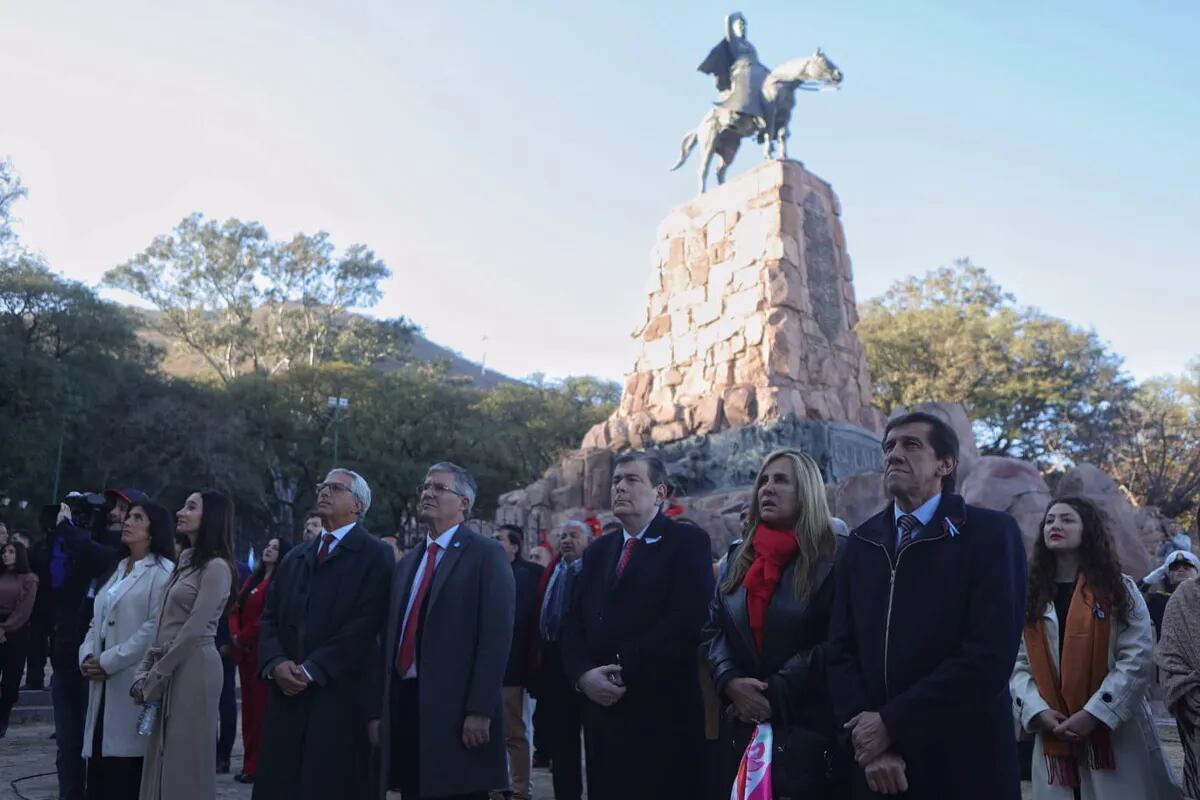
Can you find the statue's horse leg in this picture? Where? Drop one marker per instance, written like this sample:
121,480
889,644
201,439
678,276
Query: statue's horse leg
727,147
709,131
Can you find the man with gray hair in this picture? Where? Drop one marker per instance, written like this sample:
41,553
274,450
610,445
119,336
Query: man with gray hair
437,712
324,607
559,718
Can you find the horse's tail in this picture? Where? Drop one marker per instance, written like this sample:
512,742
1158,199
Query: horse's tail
685,149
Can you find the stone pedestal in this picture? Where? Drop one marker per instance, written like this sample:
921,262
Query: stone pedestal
749,316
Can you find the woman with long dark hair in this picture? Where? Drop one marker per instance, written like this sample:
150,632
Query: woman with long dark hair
181,676
244,626
767,622
18,591
124,618
1083,668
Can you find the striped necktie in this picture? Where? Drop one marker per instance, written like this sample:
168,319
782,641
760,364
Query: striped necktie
908,525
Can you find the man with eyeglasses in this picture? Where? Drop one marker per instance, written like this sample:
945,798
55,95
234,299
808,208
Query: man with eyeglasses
437,714
324,608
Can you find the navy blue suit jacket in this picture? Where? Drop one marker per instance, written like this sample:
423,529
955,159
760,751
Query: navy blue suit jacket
928,638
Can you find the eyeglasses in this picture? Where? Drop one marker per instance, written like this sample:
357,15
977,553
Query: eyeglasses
332,486
436,488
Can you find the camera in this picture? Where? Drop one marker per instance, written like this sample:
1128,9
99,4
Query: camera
88,511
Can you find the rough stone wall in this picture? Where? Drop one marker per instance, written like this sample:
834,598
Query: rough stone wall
749,317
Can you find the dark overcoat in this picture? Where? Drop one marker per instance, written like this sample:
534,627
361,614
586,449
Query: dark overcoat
461,656
791,662
928,639
326,617
651,742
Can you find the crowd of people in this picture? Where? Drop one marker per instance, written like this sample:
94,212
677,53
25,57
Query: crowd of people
911,656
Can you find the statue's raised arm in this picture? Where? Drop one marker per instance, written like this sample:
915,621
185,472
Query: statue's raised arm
735,66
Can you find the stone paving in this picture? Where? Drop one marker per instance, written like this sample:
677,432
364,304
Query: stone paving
28,750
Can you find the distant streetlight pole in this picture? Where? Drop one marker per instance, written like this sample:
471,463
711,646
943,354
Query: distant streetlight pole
337,404
483,361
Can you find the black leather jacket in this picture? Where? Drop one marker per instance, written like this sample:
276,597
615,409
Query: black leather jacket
792,658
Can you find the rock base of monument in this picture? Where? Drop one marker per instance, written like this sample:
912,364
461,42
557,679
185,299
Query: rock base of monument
732,458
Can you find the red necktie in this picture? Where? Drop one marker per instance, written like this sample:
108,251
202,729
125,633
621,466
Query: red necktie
326,543
626,553
408,643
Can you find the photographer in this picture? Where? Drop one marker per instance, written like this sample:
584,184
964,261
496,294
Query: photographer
84,548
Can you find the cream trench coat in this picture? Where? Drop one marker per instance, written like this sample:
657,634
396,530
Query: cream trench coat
1142,770
183,669
124,619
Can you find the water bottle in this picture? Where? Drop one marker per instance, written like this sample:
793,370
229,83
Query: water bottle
145,721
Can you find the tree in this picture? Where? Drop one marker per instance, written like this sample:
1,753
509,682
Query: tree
246,304
1036,386
1157,454
11,190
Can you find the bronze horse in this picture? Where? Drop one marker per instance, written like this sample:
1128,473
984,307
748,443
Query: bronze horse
721,131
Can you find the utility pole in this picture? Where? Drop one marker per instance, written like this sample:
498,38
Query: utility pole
337,404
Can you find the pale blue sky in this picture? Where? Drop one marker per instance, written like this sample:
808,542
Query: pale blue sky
508,161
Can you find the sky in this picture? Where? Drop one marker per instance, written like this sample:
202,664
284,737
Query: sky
508,161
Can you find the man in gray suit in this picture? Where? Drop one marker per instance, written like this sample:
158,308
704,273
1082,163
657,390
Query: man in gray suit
438,712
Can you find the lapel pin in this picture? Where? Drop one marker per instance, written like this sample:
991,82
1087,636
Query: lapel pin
456,545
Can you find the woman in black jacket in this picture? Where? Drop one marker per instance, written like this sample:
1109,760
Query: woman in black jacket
768,620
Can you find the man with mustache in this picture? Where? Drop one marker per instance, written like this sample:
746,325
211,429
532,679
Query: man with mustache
927,617
437,713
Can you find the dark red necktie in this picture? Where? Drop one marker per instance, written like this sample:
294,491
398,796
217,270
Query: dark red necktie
326,543
626,554
408,642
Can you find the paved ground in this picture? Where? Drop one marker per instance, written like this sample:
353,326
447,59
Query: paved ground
28,750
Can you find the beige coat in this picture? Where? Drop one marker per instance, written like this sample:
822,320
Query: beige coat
124,619
1120,703
183,669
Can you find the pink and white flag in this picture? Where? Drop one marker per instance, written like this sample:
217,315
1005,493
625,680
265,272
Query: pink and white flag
753,780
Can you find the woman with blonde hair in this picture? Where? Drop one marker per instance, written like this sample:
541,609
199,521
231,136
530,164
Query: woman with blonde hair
767,622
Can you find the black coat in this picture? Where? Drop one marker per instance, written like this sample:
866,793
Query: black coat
648,621
527,576
326,618
930,643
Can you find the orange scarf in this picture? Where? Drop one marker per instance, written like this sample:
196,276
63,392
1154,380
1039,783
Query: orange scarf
773,549
1084,667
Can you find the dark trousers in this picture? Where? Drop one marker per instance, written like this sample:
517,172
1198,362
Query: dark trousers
110,778
227,711
39,648
406,745
561,709
69,693
12,664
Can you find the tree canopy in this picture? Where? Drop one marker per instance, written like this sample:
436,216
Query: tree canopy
1037,386
274,323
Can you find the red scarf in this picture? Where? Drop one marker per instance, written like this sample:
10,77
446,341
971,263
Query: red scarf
773,549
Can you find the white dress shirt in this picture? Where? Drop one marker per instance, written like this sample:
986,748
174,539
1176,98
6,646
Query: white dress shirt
924,513
443,543
338,535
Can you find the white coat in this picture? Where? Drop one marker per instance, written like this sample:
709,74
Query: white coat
123,623
1142,770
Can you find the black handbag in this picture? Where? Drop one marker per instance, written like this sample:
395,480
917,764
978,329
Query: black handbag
804,765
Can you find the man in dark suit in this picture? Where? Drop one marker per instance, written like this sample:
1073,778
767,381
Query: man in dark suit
323,612
559,721
629,643
527,576
927,617
437,713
